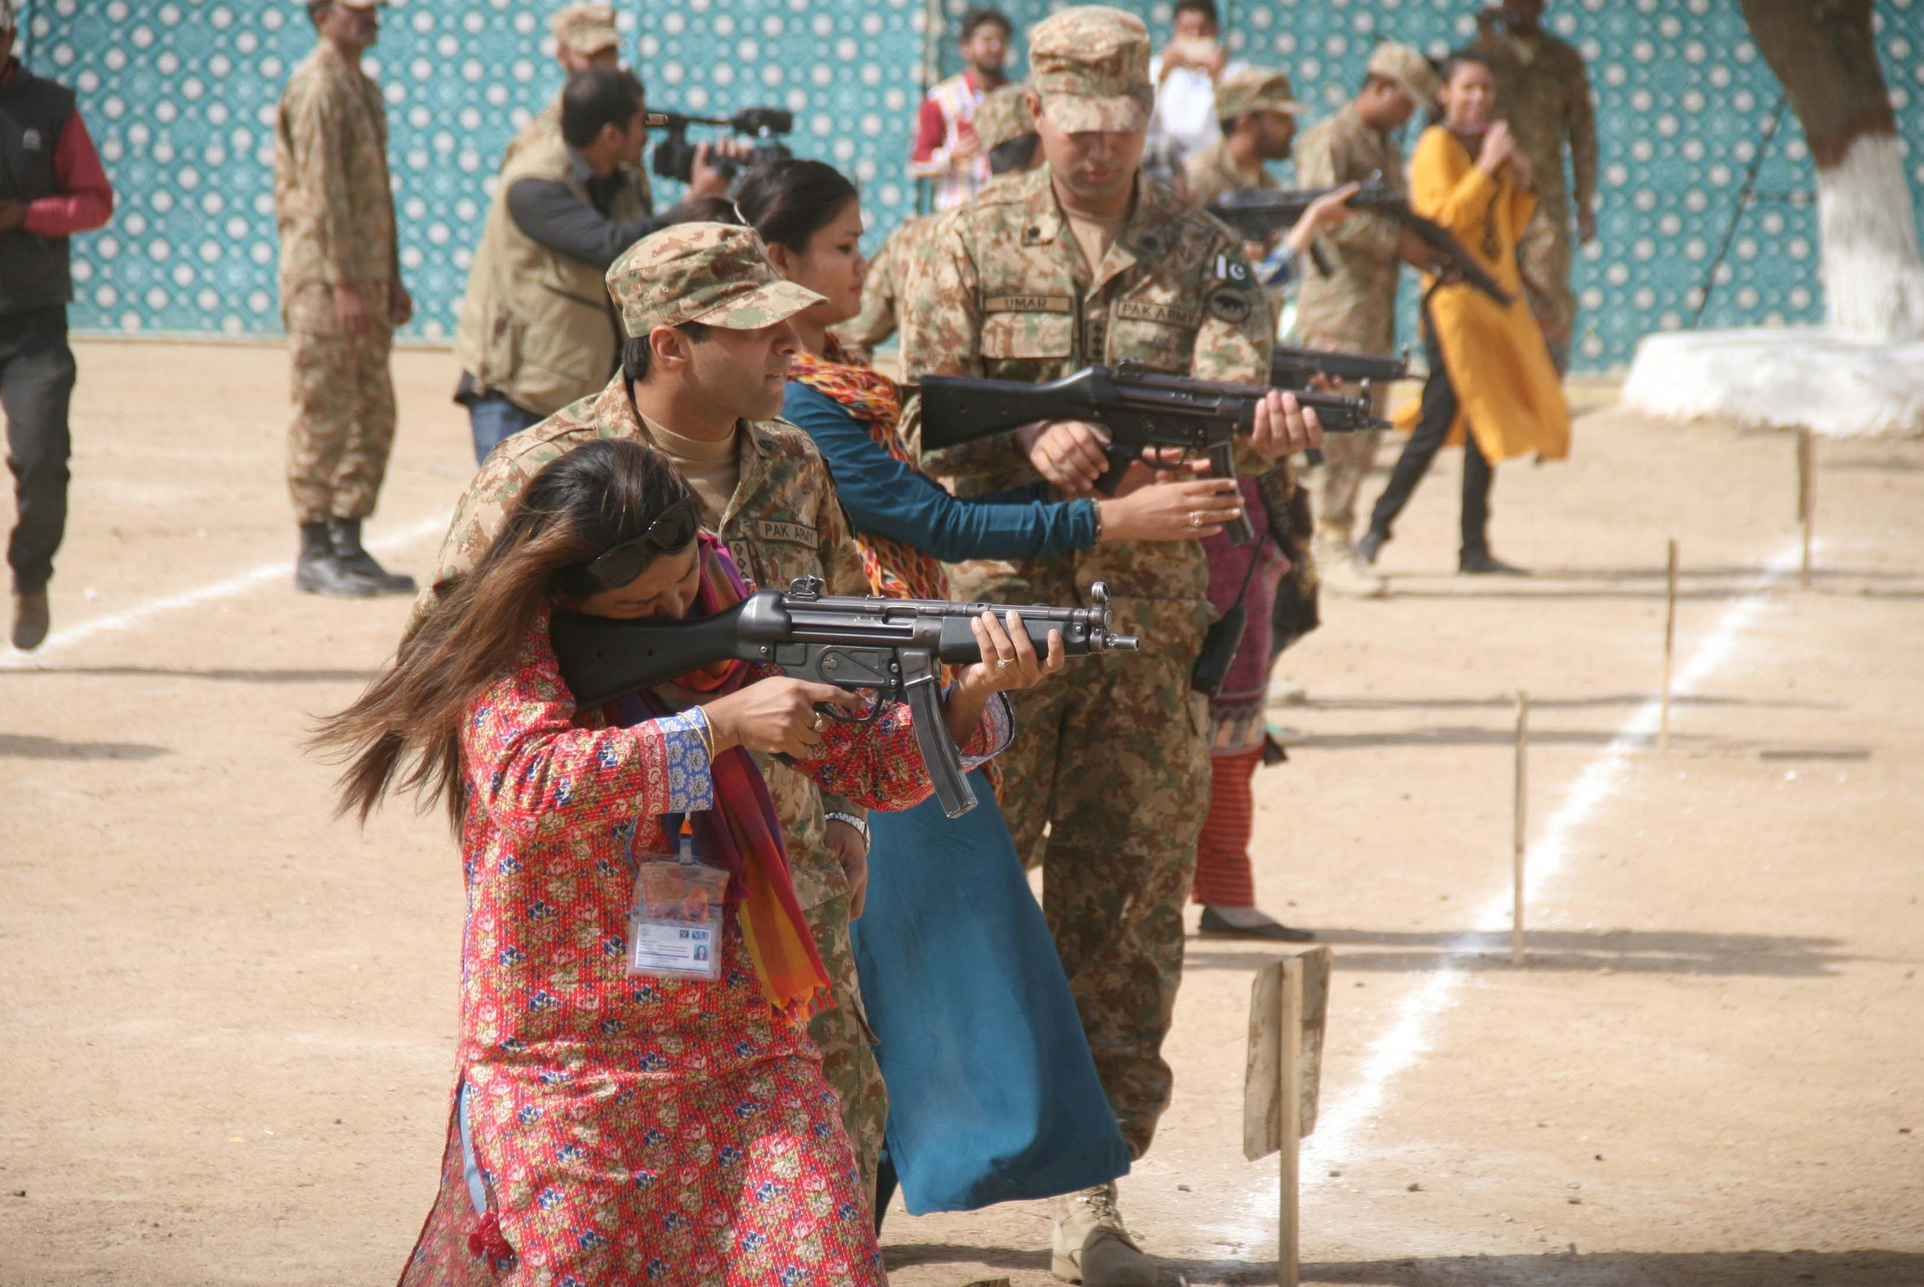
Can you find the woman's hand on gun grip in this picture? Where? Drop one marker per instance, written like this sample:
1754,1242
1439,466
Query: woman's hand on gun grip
1172,511
1008,661
1068,453
775,716
1284,426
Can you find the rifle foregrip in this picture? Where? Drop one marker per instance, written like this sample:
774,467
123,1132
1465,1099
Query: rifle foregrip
939,755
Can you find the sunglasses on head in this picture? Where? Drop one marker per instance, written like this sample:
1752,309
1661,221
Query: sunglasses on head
620,564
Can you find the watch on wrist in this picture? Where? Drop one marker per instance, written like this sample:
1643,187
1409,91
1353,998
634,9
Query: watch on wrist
860,824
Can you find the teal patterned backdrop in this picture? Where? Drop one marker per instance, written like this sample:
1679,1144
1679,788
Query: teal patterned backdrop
180,97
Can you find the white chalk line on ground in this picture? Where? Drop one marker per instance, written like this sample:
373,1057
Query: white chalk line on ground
1403,1045
139,613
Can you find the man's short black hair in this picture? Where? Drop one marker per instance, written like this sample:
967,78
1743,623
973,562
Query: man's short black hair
597,97
636,353
1207,8
1013,154
976,15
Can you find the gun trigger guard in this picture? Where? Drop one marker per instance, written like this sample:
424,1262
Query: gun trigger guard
874,711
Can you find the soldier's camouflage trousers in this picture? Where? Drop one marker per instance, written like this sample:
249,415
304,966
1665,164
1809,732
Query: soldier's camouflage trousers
1113,758
343,427
1347,458
1545,254
842,1034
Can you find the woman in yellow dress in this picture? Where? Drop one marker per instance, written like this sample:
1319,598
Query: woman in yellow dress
1492,386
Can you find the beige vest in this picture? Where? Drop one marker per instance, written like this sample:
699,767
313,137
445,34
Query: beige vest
536,326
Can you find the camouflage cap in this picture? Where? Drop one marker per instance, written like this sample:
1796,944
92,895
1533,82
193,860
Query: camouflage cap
1409,69
1090,64
1003,116
1255,89
714,273
585,29
362,5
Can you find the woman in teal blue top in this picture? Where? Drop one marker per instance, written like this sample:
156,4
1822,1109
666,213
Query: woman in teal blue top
961,991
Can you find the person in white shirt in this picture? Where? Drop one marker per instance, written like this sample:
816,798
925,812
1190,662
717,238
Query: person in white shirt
1185,74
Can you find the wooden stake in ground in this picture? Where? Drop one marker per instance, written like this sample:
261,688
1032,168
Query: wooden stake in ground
1669,649
1288,1007
1521,822
1806,493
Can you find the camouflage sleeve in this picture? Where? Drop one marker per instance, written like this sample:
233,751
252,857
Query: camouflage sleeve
476,522
1325,161
941,322
1581,121
320,181
1235,340
841,557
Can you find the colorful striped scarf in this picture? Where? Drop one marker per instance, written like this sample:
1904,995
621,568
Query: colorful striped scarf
895,570
742,834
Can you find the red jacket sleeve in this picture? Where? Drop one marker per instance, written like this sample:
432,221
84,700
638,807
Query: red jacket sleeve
85,199
931,131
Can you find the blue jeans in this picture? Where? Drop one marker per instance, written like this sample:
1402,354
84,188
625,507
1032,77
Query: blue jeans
493,418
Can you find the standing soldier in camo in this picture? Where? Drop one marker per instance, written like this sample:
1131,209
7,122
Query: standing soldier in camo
703,374
1353,305
1085,261
1006,131
1543,92
341,298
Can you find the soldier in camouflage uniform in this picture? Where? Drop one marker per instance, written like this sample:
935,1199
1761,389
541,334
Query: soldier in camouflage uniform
1085,261
782,521
1353,305
1257,110
341,298
1002,123
1543,91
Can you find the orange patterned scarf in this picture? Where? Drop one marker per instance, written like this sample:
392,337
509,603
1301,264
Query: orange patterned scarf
895,570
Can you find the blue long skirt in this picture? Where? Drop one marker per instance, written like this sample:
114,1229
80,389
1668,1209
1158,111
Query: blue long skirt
993,1096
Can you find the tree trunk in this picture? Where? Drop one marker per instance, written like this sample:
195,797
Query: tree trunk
1826,58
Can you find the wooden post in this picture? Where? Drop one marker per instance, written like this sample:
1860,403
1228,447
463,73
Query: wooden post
1806,493
1289,1240
1288,1013
1521,822
1669,649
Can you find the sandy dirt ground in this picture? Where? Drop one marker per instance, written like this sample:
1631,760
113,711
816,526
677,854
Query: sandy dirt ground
226,1021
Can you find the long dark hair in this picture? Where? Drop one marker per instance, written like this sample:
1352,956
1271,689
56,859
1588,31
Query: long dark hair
789,201
600,494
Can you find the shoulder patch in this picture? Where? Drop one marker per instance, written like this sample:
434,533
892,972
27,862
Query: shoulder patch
1230,304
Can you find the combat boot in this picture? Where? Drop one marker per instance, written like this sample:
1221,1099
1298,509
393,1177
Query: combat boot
346,535
318,570
30,618
1091,1246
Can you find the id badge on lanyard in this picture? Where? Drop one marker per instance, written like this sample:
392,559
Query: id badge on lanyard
675,923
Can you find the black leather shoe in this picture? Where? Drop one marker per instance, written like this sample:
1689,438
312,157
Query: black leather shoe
30,618
345,536
1215,926
1371,545
1484,563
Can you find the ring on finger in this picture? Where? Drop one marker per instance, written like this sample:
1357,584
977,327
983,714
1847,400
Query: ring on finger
1195,518
1003,663
819,725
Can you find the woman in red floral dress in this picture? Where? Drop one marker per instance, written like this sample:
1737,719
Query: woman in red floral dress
609,1127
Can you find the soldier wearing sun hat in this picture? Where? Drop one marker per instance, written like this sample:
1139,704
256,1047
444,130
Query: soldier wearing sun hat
1086,261
708,319
1257,110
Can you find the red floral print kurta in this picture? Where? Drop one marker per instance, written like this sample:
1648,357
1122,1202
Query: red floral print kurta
625,1129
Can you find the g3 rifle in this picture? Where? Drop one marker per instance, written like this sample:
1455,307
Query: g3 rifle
1257,212
893,647
1140,410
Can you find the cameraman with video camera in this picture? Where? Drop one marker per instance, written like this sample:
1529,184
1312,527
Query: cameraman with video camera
536,330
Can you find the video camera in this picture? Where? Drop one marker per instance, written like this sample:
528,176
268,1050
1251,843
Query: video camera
675,155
